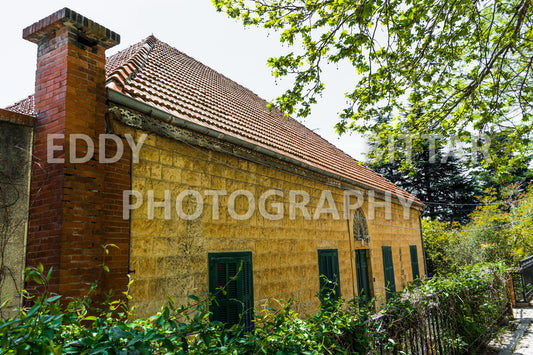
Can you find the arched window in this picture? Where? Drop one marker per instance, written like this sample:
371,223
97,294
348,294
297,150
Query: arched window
360,229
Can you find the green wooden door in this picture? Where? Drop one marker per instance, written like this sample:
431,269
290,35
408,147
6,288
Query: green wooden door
414,262
362,273
388,268
328,269
231,272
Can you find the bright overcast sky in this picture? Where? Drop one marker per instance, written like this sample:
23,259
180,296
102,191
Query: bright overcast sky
193,27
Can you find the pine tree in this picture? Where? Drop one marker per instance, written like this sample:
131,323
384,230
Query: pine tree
439,179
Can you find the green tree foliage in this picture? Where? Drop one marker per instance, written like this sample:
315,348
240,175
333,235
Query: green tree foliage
498,231
515,180
438,240
467,64
504,180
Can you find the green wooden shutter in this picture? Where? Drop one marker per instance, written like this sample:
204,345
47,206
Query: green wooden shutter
361,269
233,273
388,269
328,269
248,291
414,262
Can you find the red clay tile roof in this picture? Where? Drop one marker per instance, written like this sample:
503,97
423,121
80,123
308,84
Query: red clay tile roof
162,76
26,106
155,73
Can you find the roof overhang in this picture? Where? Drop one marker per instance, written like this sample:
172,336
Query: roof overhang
121,99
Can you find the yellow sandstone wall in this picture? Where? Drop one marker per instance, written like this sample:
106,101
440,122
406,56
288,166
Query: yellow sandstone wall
170,256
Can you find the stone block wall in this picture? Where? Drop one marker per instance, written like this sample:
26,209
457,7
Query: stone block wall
169,254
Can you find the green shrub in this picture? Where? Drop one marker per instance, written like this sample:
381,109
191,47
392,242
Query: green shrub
471,301
498,231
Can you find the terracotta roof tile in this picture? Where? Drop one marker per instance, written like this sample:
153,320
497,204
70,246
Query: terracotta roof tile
25,106
159,75
176,83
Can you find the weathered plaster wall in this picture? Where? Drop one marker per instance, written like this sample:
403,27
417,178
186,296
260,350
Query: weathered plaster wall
15,152
169,256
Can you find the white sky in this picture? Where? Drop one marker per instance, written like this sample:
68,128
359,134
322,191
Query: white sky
193,27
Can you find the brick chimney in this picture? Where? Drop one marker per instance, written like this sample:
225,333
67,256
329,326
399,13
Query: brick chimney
68,199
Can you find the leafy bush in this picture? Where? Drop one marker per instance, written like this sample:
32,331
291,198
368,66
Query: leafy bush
439,238
498,231
502,229
470,302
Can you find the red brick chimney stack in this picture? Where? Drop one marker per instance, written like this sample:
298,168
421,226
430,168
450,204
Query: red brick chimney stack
66,223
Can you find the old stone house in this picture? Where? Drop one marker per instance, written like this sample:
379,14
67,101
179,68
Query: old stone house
195,181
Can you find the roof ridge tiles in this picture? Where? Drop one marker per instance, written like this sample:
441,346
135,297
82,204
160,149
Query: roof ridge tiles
120,76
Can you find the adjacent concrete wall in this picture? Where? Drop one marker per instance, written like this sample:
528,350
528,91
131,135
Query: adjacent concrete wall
16,134
170,256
